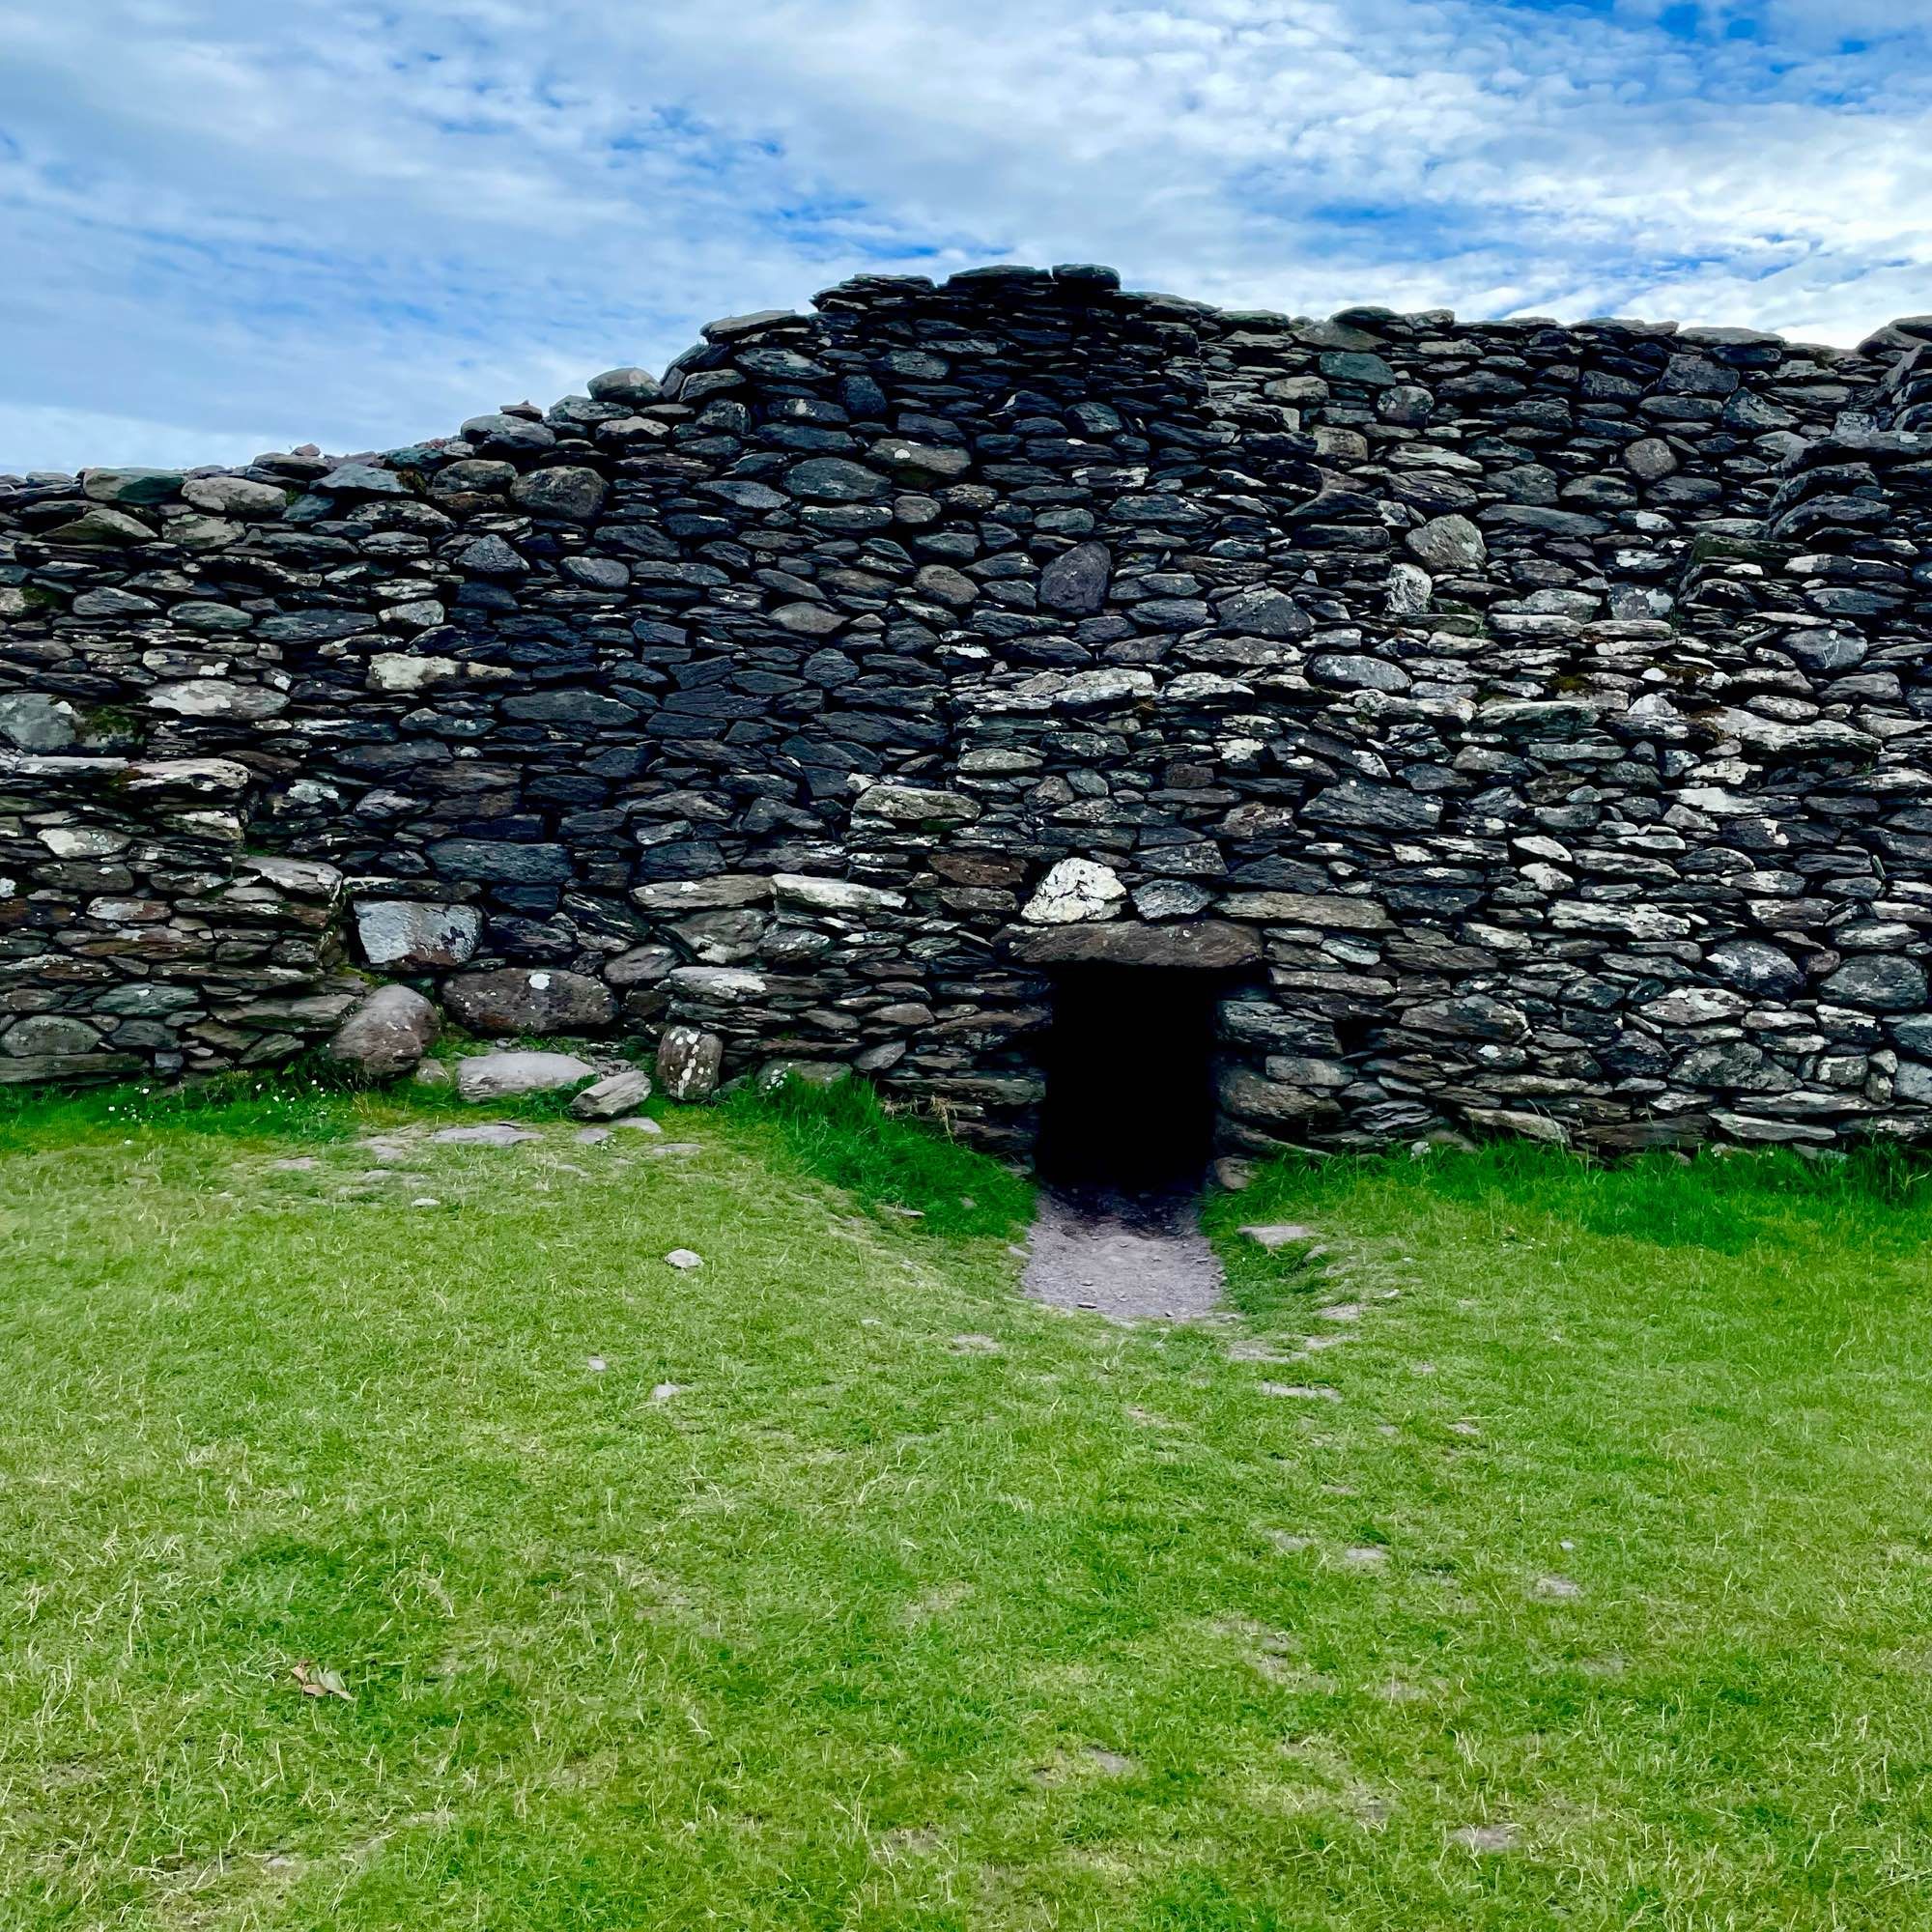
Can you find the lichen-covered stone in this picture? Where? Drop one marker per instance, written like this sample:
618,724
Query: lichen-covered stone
387,1033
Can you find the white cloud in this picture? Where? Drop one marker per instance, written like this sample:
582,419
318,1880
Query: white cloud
232,225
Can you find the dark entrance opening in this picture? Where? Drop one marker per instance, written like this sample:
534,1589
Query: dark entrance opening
1129,1086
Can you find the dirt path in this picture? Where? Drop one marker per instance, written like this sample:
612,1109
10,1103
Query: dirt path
1129,1258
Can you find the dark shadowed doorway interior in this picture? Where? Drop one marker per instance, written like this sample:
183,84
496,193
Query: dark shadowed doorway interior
1129,1084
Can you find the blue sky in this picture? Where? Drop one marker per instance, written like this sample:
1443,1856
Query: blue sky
233,225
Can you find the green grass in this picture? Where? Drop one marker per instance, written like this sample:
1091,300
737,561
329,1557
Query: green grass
833,1585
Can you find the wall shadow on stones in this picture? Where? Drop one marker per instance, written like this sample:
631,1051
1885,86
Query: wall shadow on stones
1130,1091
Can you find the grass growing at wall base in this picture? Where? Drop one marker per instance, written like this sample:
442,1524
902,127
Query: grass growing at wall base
845,1135
1551,1550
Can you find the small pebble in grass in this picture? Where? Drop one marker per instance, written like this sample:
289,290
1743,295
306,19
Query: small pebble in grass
1365,1556
1111,1762
598,1365
638,1124
425,1200
1341,1311
592,1136
1302,1391
664,1391
1464,1429
1558,1589
684,1257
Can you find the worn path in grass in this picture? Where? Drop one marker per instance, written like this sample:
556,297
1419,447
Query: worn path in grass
1554,1550
1126,1257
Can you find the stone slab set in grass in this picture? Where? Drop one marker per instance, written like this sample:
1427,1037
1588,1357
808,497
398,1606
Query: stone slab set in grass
1529,727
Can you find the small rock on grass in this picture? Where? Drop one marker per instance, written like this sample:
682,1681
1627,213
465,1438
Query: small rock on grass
1279,1235
1302,1391
639,1124
616,1094
496,1076
498,1134
684,1257
665,1391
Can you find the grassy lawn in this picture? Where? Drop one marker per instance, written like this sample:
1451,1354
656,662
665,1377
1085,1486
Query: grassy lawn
1583,1581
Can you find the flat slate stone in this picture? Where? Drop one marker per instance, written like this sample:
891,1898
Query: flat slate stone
1211,945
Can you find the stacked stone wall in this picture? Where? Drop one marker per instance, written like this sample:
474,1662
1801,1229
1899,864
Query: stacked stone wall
1530,725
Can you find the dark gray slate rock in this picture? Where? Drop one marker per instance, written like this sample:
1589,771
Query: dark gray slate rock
567,491
1884,982
1209,944
1075,582
542,1001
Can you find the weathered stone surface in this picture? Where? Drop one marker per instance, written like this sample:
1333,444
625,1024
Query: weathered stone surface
1448,544
235,496
131,486
1884,982
1076,890
915,806
1207,943
616,1094
1532,726
625,386
482,1077
33,721
775,1073
568,490
545,1001
387,1033
1075,582
689,1060
416,935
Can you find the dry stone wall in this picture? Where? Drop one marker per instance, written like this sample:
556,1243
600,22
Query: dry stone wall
1530,725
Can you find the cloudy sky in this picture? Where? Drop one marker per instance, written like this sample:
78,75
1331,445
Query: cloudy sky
233,225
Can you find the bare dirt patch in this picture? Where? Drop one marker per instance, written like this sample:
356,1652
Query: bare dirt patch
1129,1258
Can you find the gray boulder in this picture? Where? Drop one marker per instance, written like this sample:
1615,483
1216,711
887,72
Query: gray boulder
387,1033
514,999
497,1076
